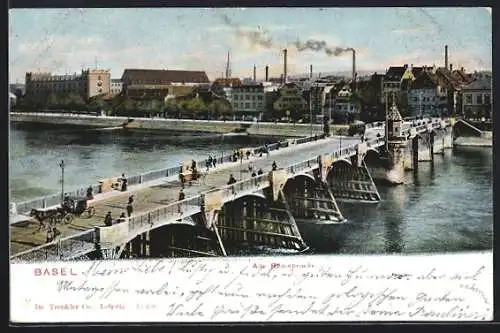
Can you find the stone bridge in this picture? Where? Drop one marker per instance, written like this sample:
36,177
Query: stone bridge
262,210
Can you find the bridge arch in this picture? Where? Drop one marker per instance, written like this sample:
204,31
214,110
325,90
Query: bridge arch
298,183
189,222
301,175
256,219
372,157
159,241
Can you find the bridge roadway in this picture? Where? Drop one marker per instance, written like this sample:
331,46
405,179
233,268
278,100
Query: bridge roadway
158,193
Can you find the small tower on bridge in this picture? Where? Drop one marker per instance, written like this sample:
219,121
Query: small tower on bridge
393,123
395,144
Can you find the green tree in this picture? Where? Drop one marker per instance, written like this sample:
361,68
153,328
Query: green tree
219,108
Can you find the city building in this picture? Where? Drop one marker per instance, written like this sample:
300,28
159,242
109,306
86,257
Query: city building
291,101
87,84
116,87
452,82
426,97
18,89
344,105
397,81
12,99
477,98
223,87
248,100
320,96
392,81
159,84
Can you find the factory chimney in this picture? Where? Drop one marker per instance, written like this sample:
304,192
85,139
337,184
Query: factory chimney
353,70
254,73
311,72
284,65
446,56
267,73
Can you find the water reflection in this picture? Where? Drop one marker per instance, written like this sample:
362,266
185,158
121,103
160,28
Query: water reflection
396,199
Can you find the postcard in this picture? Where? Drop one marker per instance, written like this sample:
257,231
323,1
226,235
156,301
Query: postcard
250,164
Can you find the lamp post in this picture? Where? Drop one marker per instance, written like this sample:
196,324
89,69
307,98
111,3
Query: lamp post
62,180
420,100
310,110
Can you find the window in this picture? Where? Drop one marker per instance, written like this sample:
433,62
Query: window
253,98
479,99
247,105
235,97
415,99
487,100
468,99
253,105
259,97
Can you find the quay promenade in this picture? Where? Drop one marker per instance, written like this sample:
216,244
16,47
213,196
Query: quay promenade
293,130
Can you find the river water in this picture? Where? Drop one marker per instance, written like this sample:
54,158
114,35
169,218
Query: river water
446,205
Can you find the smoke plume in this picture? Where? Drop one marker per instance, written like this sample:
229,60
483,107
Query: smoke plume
256,37
318,46
260,38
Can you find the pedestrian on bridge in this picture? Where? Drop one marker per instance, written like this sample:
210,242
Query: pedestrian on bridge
182,196
231,181
108,220
49,237
122,218
253,176
260,172
124,183
130,208
208,163
214,161
274,166
90,194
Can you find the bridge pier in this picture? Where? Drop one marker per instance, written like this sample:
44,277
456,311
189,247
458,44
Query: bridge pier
395,168
311,199
350,179
258,219
352,183
447,136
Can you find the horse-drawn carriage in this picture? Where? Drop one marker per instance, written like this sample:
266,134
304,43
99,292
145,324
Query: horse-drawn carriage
65,213
189,173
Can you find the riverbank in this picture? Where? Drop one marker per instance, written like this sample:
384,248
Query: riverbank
161,124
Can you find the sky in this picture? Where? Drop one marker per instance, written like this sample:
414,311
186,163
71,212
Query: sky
66,40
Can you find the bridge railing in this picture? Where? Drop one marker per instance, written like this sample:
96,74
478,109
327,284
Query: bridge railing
173,210
59,249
